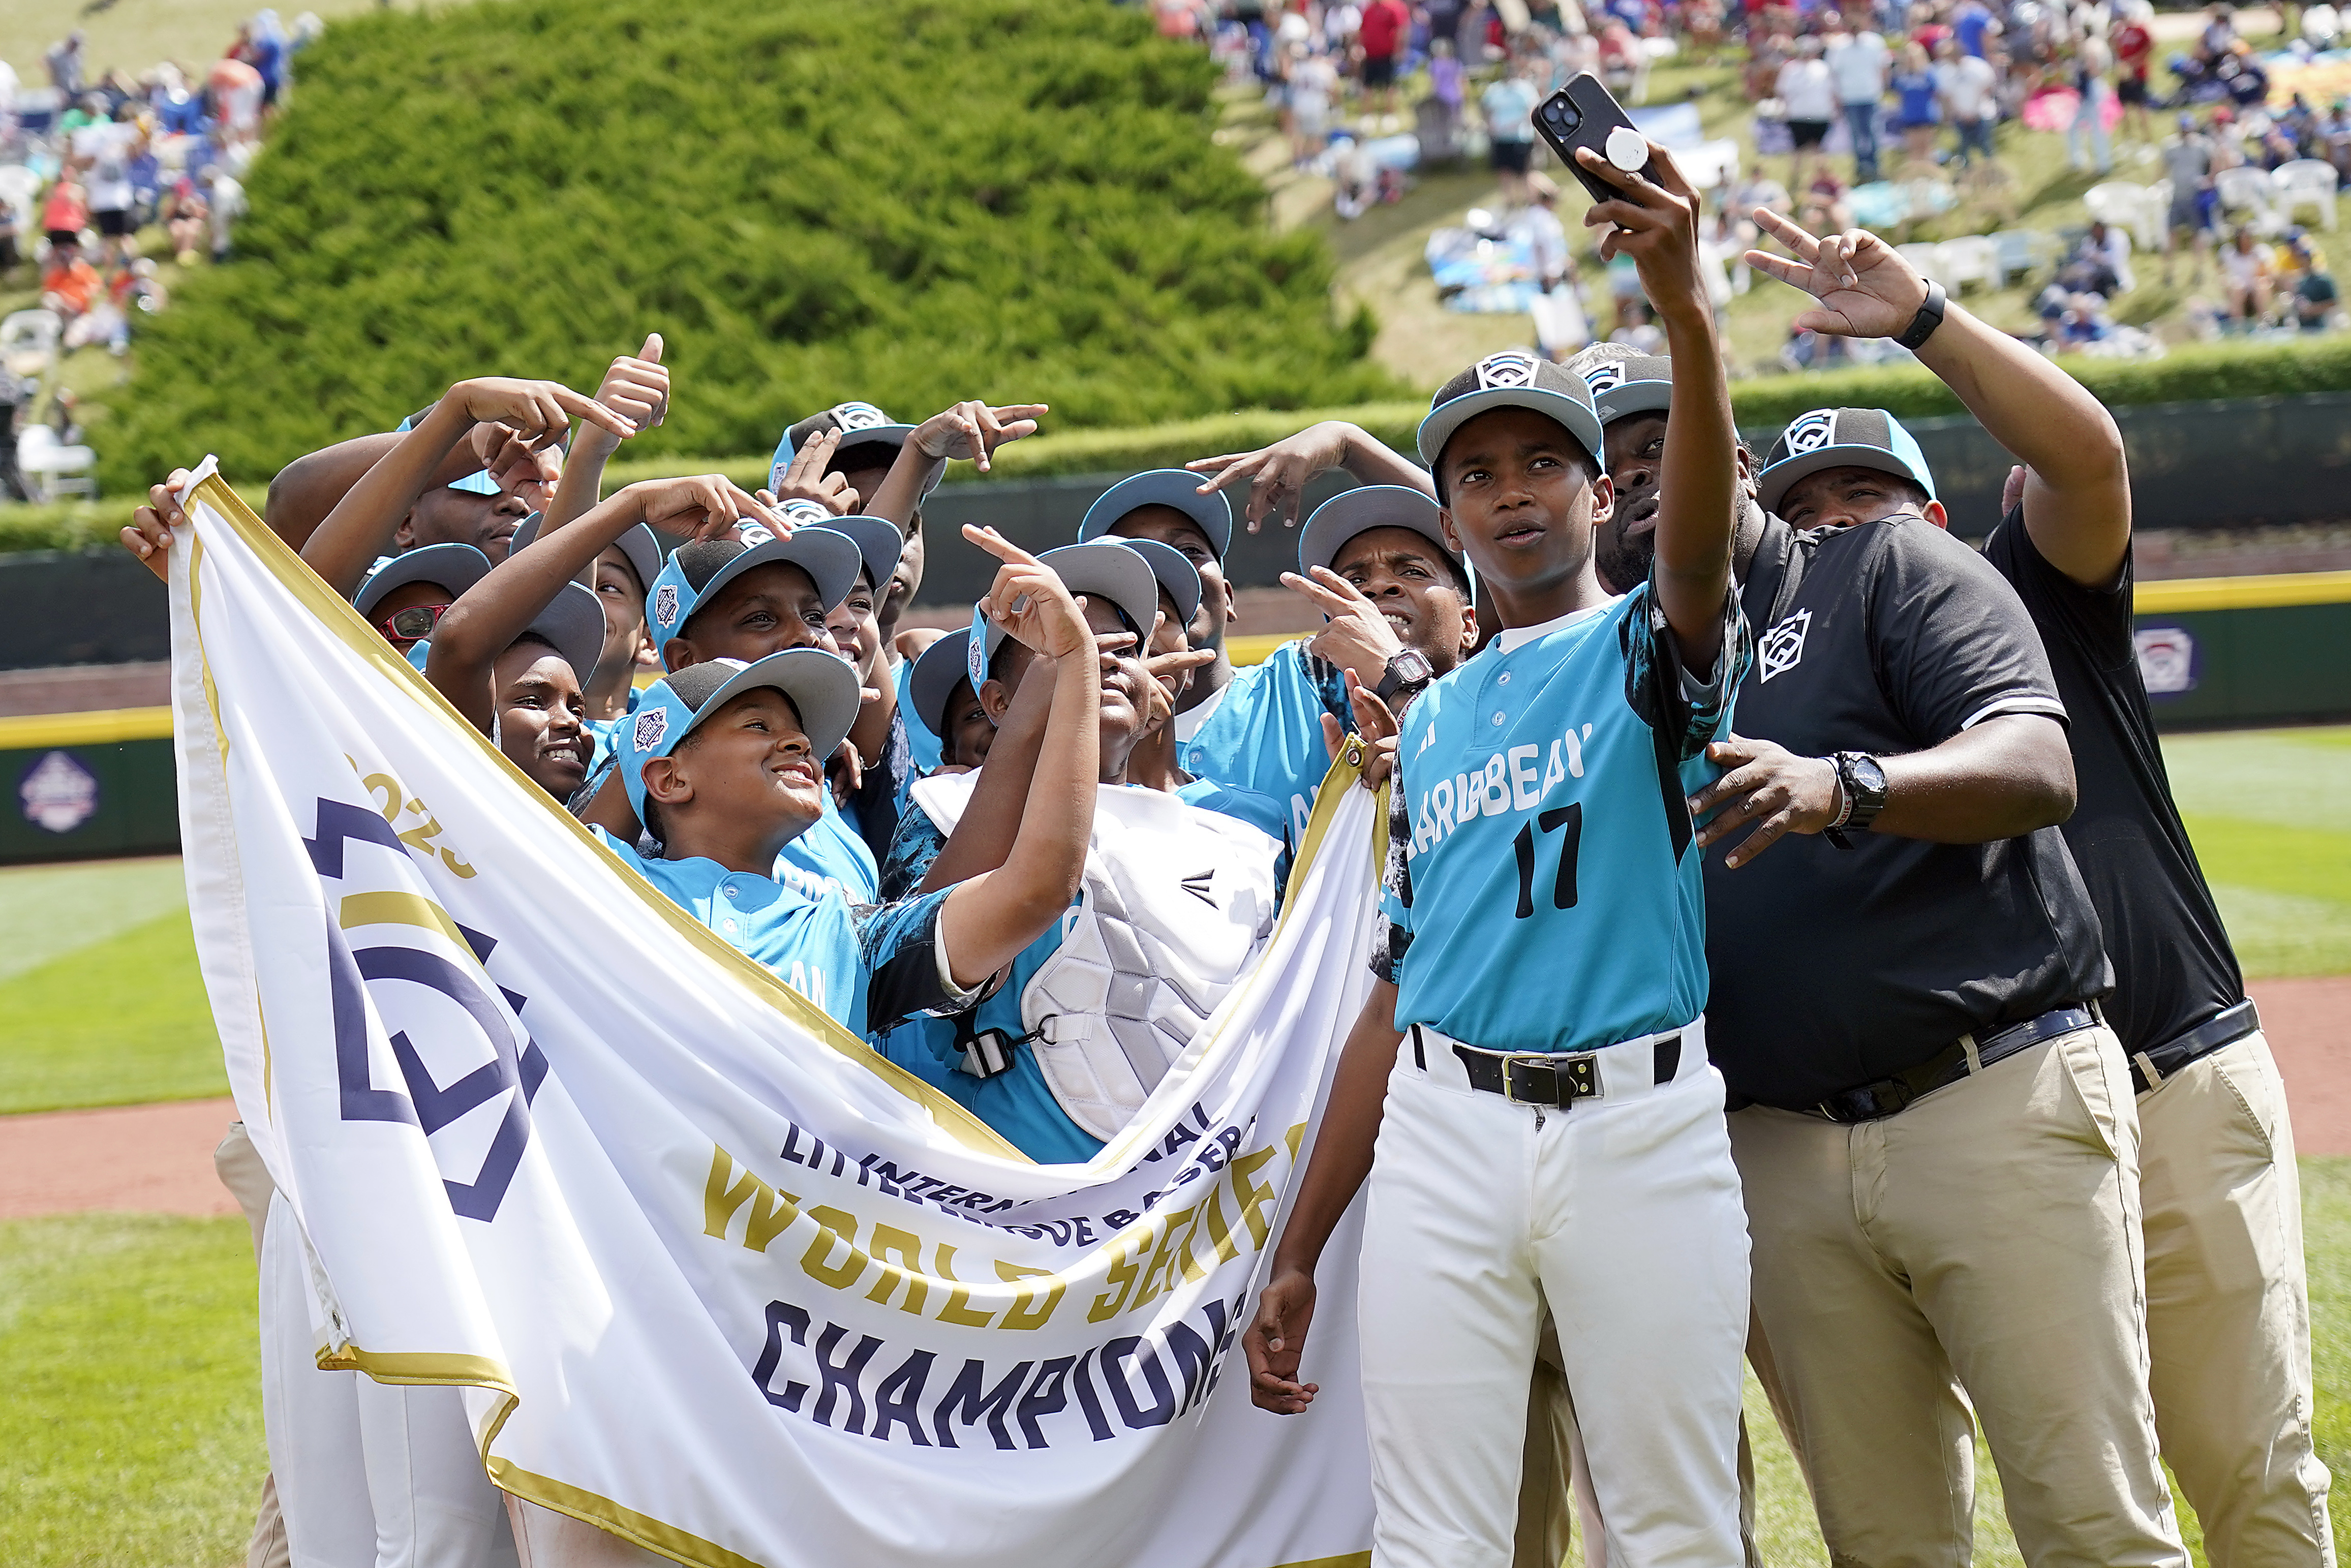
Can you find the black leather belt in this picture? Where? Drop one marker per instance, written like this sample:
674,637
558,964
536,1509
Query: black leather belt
1537,1078
1889,1096
2151,1068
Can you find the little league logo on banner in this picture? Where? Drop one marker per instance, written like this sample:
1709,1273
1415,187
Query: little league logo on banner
715,1276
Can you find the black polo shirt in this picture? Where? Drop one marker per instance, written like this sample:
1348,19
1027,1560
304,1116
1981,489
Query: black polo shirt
2173,966
1831,967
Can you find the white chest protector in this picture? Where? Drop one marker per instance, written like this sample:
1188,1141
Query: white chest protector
1176,904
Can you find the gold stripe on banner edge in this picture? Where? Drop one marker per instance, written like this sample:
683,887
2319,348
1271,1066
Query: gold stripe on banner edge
2273,591
449,1370
335,615
1318,827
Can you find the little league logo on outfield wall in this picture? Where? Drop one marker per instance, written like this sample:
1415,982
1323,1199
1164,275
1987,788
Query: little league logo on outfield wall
59,793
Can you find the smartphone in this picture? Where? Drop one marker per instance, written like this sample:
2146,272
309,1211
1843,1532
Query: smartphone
1582,114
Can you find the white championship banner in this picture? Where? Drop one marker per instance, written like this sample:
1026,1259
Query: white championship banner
713,1275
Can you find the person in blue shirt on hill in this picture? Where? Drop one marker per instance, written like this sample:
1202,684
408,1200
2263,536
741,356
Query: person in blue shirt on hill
723,763
1532,1063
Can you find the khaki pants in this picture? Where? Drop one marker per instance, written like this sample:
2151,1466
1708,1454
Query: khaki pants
1982,1247
2227,1314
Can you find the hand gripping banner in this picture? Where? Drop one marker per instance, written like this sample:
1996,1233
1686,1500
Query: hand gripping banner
714,1276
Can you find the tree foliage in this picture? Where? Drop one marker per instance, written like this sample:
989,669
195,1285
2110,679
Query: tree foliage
903,201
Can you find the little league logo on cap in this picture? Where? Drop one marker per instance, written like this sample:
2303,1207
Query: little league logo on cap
665,607
1512,380
1506,371
857,416
803,513
1841,438
1812,432
1605,375
649,726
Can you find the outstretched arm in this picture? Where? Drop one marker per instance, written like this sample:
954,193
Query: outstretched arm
1342,1159
1698,481
987,921
2077,486
491,614
635,387
970,429
363,522
2004,777
1278,475
309,488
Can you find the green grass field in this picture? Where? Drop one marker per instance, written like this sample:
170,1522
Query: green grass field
132,1437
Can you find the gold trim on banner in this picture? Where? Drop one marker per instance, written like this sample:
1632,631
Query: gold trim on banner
295,575
616,1518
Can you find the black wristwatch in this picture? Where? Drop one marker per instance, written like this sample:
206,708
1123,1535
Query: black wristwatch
1930,316
1408,671
1862,783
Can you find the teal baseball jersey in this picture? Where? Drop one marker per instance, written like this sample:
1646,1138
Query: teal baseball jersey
1266,733
1542,889
868,967
830,855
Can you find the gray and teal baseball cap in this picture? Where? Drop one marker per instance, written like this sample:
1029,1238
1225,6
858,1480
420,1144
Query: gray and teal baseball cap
1173,487
878,540
1178,578
644,551
822,689
697,570
1512,380
573,625
861,424
1841,438
1361,509
941,665
1624,383
452,566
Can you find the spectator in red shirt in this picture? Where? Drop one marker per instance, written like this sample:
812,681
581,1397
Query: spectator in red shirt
2134,46
1380,43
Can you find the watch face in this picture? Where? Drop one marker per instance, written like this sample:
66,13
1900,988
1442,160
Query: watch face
1409,666
1867,774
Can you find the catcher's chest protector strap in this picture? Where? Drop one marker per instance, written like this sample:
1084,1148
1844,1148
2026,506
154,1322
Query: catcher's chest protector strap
1175,905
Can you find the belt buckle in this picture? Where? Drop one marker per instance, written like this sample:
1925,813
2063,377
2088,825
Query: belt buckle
1570,1078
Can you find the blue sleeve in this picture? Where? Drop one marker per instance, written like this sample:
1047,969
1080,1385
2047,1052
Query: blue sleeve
898,944
1392,926
1688,711
918,844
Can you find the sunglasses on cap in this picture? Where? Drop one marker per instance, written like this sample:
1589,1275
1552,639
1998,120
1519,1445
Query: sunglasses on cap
417,621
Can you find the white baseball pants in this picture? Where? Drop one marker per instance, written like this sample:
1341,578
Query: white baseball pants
1624,1215
370,1475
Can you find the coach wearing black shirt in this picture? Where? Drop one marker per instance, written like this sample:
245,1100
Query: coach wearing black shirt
2227,1308
1941,1160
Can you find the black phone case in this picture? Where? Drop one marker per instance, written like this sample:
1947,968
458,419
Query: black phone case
1582,114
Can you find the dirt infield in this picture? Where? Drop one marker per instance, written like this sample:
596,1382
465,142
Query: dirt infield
158,1158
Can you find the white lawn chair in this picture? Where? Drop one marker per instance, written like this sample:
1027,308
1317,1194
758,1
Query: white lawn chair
2304,182
28,341
2019,251
1971,258
52,470
2130,205
2248,190
18,187
1927,259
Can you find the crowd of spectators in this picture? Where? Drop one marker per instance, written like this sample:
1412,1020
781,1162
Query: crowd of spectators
1886,114
97,166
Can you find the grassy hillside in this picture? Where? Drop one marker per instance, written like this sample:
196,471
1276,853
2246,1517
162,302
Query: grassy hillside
906,200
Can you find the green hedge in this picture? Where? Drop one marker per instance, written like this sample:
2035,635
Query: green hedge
903,201
2190,375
